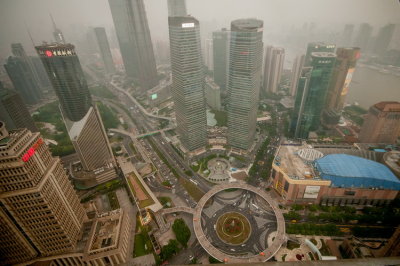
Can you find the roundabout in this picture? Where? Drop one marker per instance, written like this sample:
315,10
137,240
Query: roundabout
233,223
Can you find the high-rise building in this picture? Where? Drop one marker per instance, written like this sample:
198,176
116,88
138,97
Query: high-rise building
134,39
342,74
177,8
363,36
188,81
57,33
18,51
317,47
208,54
41,71
382,123
347,35
311,94
383,39
81,118
14,112
23,80
38,205
274,58
296,72
213,94
221,57
66,75
105,50
245,66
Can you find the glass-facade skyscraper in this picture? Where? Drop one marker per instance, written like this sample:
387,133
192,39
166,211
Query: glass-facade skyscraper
105,51
311,94
188,81
82,119
245,66
221,57
66,75
177,8
317,47
134,39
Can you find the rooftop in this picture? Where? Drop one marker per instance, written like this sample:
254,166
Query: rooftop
249,24
388,106
352,171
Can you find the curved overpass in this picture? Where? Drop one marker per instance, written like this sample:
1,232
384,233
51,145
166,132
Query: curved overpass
216,253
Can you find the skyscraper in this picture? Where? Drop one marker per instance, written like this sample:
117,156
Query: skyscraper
188,81
311,94
66,75
347,35
221,57
363,36
134,39
346,59
317,47
105,50
208,54
177,8
382,123
274,58
14,112
37,202
57,33
81,118
296,72
383,39
245,66
23,80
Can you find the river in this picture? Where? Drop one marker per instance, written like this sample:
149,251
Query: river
370,86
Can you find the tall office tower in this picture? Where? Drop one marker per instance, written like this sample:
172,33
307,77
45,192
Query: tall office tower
274,58
66,75
57,33
346,59
177,8
347,35
23,80
37,202
317,47
363,36
383,39
382,123
134,39
296,72
188,81
208,54
105,50
245,68
221,57
81,118
18,51
13,111
311,94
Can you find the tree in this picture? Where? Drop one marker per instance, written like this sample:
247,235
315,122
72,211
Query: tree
170,249
182,231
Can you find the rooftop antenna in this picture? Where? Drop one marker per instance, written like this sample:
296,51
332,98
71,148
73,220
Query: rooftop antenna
54,23
29,33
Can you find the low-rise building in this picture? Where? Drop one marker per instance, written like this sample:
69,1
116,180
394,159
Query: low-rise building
329,176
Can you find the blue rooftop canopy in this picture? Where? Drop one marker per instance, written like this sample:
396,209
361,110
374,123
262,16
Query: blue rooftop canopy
352,171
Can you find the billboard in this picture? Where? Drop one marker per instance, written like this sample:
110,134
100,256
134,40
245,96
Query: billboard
347,81
311,192
154,96
187,25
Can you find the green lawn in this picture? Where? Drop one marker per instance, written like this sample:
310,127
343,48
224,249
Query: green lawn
221,117
192,189
112,198
102,92
143,203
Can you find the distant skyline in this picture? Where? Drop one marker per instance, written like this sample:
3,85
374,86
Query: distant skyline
74,15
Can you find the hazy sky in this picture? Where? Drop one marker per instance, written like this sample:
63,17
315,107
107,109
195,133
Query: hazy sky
73,16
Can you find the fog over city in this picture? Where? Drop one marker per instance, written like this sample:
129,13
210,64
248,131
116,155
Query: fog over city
279,16
177,132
